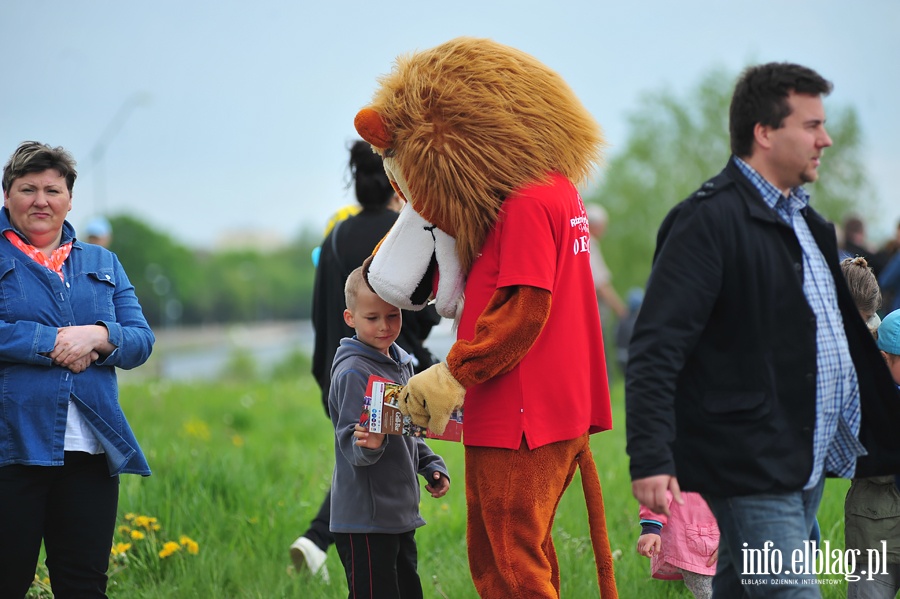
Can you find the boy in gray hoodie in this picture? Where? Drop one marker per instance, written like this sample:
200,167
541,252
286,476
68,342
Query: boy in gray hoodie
374,492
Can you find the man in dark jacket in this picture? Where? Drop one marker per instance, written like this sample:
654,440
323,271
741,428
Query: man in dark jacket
751,375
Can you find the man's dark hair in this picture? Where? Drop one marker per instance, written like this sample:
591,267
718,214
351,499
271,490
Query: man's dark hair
760,96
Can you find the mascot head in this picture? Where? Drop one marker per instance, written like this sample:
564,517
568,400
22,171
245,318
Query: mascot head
460,126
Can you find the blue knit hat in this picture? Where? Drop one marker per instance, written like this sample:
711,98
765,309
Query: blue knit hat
889,333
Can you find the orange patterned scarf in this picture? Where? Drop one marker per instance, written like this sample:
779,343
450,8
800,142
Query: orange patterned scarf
54,262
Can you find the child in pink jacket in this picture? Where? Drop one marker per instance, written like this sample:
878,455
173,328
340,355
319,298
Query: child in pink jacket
683,545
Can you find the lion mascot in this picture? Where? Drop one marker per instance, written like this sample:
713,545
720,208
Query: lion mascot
486,144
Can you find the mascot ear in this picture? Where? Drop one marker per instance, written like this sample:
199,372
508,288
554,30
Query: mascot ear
371,128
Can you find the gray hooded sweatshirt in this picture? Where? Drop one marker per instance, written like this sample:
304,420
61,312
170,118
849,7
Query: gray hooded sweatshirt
373,490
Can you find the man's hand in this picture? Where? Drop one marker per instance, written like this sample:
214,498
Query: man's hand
651,492
431,396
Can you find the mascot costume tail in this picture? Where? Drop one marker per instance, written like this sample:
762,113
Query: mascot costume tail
487,145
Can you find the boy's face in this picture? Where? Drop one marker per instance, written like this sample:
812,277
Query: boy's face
893,363
377,322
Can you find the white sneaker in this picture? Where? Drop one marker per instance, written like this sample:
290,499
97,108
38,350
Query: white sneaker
306,555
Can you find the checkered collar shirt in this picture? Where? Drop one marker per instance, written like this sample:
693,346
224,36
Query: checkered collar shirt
835,440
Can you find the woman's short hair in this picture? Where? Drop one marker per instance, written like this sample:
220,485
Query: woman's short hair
36,157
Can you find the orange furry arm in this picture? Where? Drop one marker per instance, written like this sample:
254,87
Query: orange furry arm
505,331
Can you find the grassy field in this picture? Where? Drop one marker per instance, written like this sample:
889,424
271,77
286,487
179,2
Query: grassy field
240,466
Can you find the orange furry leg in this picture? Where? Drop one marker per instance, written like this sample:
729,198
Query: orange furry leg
512,499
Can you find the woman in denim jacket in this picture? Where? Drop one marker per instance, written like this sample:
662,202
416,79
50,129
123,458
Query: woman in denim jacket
68,317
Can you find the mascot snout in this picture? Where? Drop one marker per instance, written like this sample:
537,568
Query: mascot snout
410,259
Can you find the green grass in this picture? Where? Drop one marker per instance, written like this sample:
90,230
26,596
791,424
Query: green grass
240,467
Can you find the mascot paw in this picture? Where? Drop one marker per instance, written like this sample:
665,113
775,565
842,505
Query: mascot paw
431,396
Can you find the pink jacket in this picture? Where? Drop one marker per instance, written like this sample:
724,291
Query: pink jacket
688,537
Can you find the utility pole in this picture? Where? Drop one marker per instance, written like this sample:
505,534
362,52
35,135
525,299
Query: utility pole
99,152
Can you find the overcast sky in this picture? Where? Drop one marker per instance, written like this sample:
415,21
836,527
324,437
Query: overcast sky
209,117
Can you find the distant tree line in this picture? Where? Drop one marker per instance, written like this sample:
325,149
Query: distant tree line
179,285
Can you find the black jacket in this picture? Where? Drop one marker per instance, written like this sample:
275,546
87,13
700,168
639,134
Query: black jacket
721,378
348,244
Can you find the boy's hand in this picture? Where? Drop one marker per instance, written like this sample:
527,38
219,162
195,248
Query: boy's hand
649,545
366,439
439,487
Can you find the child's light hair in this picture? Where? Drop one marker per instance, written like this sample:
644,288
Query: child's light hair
351,288
863,285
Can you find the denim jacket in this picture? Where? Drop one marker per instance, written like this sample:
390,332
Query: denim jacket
35,393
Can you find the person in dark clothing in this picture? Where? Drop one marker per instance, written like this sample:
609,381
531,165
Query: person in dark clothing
345,247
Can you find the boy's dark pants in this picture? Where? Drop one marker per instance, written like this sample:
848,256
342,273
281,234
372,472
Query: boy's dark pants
380,565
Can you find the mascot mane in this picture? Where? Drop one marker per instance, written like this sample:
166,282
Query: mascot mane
469,121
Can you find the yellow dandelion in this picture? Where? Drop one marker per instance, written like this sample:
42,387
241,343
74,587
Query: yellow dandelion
120,548
168,549
124,529
155,526
145,522
137,535
190,544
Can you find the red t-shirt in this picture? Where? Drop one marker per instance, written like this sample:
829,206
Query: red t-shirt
559,390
